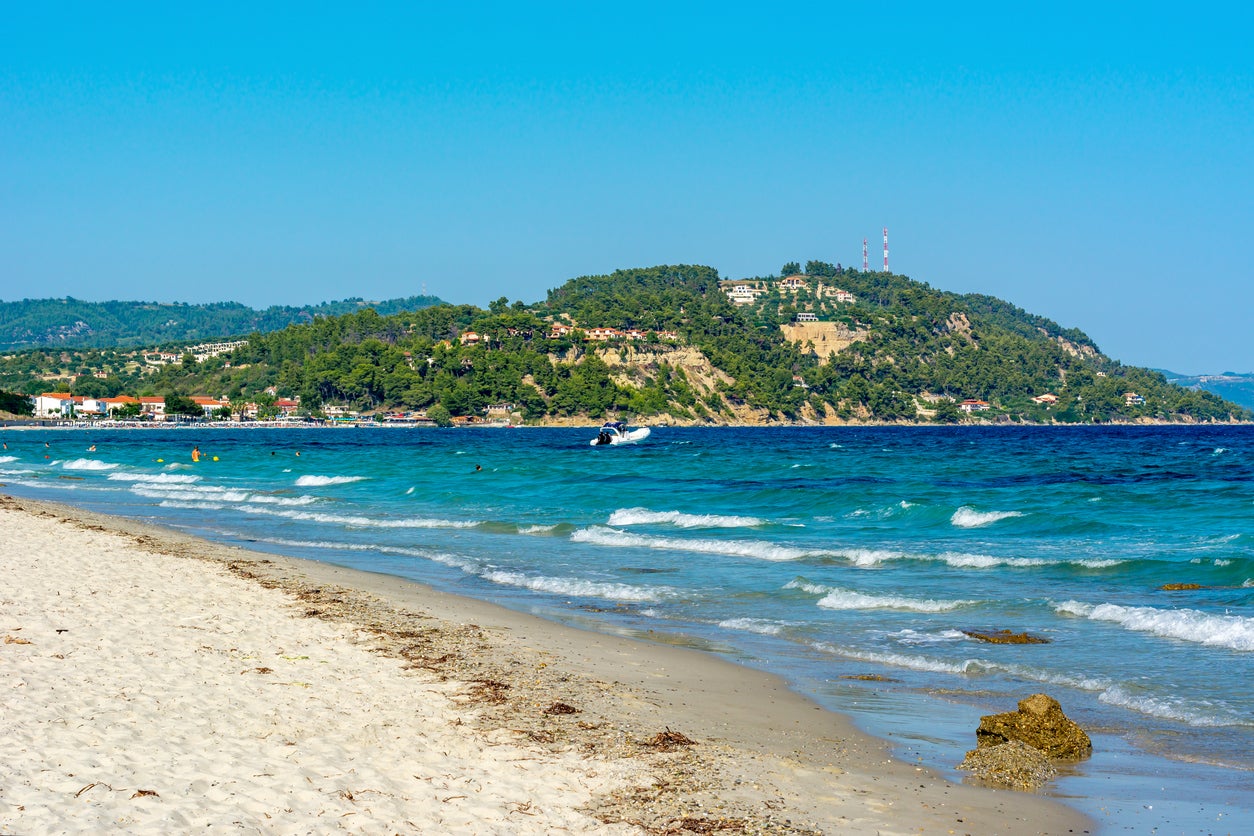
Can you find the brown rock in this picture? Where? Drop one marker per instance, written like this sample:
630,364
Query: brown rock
1040,723
1177,587
1014,764
1004,637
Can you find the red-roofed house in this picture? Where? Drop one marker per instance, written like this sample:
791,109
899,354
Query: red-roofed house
154,407
54,405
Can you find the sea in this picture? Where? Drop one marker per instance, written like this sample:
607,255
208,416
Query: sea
818,554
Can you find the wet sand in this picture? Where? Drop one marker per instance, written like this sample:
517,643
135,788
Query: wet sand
156,681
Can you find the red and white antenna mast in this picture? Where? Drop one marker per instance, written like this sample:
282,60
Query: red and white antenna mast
885,249
864,262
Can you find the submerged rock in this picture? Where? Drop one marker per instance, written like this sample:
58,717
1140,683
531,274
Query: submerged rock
869,677
1004,637
1176,587
1014,764
1039,723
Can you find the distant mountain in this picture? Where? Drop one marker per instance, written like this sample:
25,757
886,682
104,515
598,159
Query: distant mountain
72,323
1238,388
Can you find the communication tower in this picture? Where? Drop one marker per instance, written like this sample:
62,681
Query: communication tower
885,249
864,262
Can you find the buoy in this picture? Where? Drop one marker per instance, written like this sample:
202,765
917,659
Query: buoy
215,458
159,461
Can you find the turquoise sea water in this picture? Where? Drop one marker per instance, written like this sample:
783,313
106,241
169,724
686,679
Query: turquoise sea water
815,553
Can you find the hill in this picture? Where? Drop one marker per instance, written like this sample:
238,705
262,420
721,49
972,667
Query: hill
73,323
676,344
1238,388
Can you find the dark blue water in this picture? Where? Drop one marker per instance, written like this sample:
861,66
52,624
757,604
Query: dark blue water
816,553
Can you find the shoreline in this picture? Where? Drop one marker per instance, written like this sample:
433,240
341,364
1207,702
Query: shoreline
765,757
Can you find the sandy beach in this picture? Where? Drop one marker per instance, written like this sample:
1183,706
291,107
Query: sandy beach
155,682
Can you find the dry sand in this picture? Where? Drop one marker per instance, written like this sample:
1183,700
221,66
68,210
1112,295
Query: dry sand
155,682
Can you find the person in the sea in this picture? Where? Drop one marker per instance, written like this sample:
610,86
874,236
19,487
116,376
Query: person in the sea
91,449
195,454
478,467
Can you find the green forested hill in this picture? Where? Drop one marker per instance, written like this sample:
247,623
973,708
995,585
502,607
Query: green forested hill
73,323
901,351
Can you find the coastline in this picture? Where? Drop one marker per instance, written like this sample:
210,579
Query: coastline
765,758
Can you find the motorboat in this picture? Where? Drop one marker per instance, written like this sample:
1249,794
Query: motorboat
615,432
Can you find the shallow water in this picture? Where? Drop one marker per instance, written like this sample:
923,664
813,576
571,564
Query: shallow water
816,553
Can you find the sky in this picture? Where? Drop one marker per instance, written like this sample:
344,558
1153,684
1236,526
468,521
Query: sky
1092,163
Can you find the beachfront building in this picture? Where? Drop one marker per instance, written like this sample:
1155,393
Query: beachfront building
54,405
807,316
210,405
1048,399
154,408
972,405
1132,399
112,405
90,407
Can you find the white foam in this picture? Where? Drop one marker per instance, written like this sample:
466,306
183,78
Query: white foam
446,559
155,478
537,529
361,522
319,481
869,557
916,637
6,459
88,464
961,560
643,516
602,536
848,599
190,493
1231,631
903,660
968,517
195,506
764,626
1181,710
805,586
574,586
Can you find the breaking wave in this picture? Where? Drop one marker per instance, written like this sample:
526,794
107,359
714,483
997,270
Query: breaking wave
88,464
763,626
643,516
319,481
968,517
155,478
363,522
848,599
1231,631
602,536
575,586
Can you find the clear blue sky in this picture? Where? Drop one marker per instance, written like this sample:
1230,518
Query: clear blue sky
1091,163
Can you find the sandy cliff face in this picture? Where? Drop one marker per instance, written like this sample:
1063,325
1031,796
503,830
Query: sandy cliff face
827,337
632,365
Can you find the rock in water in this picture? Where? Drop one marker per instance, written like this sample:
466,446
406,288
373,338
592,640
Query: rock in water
1015,764
1040,723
